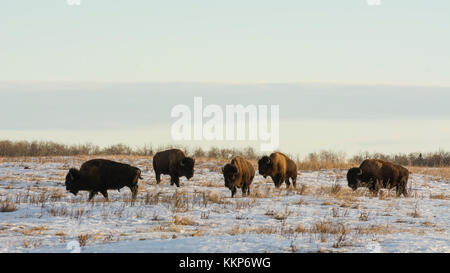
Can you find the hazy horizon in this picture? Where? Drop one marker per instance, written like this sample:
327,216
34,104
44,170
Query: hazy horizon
313,117
348,76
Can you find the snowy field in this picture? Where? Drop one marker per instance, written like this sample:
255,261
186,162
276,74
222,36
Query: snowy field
321,215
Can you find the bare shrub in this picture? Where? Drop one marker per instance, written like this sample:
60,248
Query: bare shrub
7,205
415,213
83,239
364,216
205,215
441,196
300,229
183,221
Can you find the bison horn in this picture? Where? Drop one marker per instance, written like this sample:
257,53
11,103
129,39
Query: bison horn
360,172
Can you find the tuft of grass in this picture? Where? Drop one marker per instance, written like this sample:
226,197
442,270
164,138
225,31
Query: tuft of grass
32,243
415,213
335,189
364,216
183,221
83,239
439,196
197,233
215,197
34,230
7,205
300,228
205,215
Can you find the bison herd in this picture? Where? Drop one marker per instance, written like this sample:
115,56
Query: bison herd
101,175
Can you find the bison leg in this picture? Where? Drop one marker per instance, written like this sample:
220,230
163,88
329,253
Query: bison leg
134,191
401,189
91,195
233,192
374,186
245,191
294,181
277,180
397,190
105,194
288,183
175,179
405,191
158,178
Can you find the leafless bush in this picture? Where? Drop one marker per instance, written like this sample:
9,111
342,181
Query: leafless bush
364,216
205,215
415,213
83,239
184,221
6,205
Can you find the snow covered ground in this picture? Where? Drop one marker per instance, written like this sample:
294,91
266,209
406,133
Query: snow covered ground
321,215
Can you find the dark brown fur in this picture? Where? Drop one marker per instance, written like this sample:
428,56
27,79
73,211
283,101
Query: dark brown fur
238,174
100,175
174,163
279,167
376,174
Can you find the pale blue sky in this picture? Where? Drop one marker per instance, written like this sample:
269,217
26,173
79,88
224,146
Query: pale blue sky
398,42
347,76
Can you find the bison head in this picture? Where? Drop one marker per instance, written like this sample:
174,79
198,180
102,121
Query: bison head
265,165
230,173
186,167
71,180
354,178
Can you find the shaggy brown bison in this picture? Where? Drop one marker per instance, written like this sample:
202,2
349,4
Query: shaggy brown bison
174,163
376,174
279,167
100,175
238,174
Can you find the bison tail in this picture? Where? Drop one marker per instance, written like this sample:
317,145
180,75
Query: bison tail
138,172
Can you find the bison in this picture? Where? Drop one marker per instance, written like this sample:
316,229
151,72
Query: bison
100,175
238,174
279,167
376,174
174,163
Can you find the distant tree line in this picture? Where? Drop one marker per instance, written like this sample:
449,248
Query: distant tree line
323,159
49,148
431,159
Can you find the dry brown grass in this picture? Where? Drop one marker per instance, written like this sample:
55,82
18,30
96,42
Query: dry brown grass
364,216
215,197
327,227
32,243
443,173
260,191
7,205
428,224
236,229
83,239
264,230
38,230
415,212
184,221
300,228
303,189
198,232
441,196
60,233
317,165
